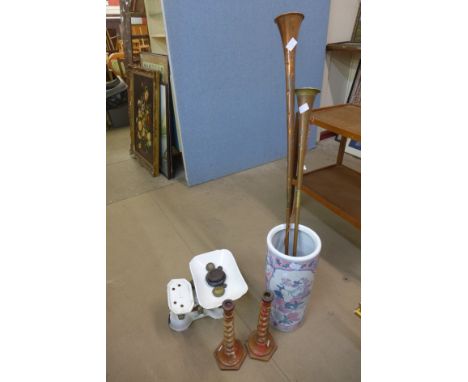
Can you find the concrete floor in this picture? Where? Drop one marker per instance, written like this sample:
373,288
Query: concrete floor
154,228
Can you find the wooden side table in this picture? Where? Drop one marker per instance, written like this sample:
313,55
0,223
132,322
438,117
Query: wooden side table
337,187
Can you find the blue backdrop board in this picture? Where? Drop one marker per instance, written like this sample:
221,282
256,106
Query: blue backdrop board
228,76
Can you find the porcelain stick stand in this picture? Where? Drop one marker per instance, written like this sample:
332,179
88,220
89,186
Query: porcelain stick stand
290,278
261,344
230,353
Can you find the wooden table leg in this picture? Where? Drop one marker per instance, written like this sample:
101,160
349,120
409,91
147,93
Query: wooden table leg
341,150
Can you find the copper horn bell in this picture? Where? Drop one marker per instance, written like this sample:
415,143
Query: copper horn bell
289,25
305,96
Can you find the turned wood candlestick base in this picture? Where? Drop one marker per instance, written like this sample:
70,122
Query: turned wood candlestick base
230,353
261,344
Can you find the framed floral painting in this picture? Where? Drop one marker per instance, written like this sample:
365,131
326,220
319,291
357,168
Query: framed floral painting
144,104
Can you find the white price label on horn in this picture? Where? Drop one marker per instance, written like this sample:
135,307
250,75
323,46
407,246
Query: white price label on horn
303,108
291,44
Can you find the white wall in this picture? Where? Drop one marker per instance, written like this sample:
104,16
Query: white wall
339,66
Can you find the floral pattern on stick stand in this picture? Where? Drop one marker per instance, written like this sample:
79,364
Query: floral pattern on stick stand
291,281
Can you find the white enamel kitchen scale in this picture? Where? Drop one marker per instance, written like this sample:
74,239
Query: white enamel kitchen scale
216,277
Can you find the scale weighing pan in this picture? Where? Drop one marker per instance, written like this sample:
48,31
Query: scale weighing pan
235,288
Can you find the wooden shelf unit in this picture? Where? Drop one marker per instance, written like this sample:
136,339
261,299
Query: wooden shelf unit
342,60
337,187
341,119
156,26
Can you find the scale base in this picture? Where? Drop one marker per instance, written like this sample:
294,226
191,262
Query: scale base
180,323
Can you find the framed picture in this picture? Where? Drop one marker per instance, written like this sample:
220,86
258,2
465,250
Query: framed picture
354,96
353,147
144,104
356,36
160,63
157,63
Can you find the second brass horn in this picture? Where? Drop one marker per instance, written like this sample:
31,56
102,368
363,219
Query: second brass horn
289,25
304,96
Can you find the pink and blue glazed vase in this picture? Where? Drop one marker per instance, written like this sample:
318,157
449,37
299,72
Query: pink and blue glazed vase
291,278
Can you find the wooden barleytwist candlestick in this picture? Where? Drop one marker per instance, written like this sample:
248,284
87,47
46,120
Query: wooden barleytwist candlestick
261,344
230,353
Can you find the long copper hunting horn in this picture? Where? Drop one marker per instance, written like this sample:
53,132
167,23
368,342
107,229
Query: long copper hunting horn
305,102
289,25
